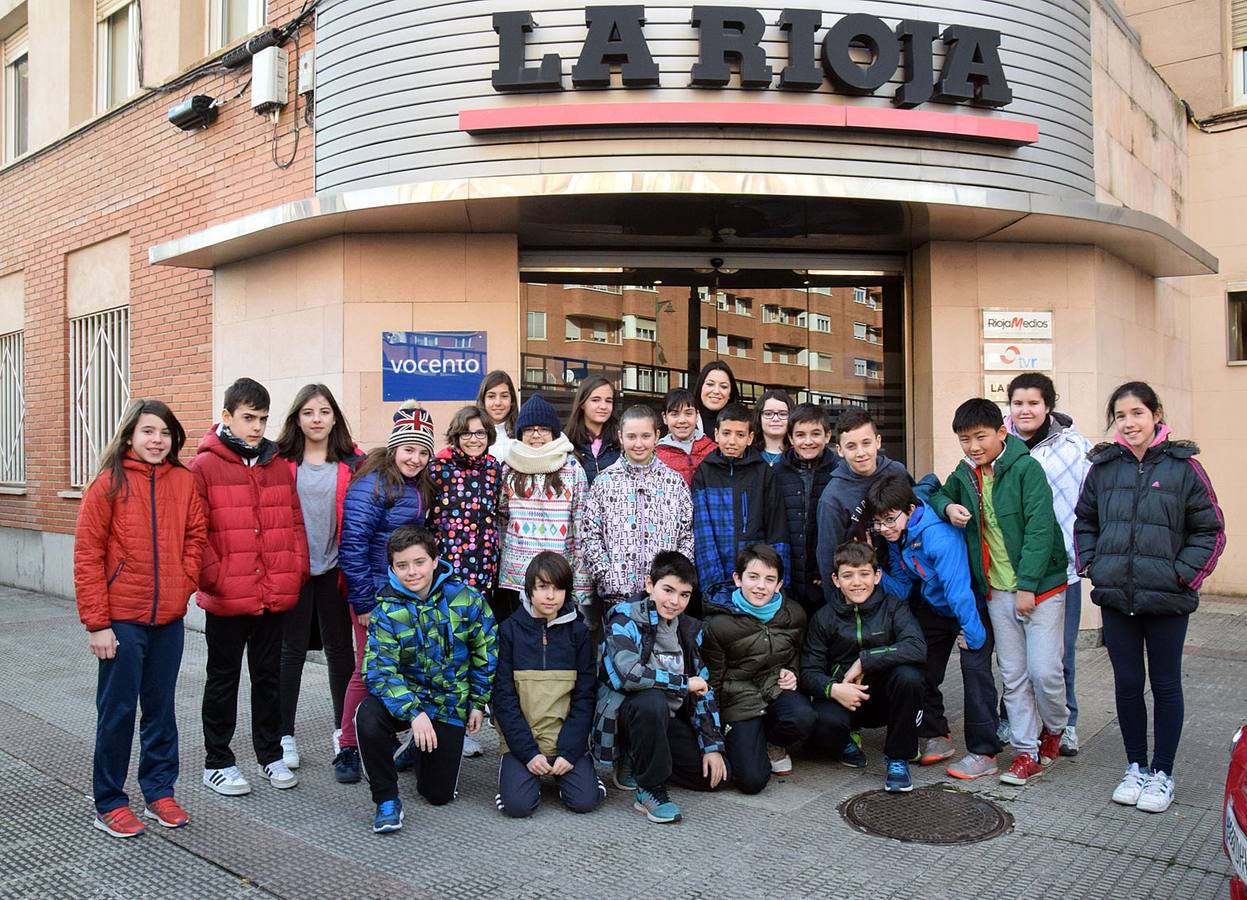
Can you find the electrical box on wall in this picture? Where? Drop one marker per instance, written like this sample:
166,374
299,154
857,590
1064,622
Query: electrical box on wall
307,73
269,74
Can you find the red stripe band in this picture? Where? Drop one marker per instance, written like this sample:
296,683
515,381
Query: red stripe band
782,115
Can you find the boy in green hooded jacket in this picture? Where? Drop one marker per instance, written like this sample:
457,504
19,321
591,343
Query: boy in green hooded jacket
1001,498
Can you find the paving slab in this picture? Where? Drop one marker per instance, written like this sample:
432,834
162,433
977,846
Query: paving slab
1068,840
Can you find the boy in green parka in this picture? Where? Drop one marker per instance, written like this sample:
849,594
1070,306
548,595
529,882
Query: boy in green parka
1000,496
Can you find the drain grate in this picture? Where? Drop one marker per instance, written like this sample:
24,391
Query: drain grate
926,816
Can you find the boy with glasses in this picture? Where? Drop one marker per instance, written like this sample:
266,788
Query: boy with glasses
925,550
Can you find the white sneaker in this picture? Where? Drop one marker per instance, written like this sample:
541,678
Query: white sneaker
337,741
1127,793
278,774
471,747
228,781
1157,794
289,751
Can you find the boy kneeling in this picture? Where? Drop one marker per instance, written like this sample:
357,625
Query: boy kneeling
862,665
543,695
428,669
751,644
656,716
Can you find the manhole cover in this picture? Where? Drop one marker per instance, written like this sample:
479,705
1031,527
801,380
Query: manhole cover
926,816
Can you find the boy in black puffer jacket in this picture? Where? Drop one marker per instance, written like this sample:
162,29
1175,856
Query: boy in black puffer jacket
544,693
862,664
804,472
751,642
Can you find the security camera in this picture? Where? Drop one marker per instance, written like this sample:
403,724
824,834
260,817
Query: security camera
717,262
194,112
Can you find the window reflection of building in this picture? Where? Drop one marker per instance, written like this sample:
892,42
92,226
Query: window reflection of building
821,344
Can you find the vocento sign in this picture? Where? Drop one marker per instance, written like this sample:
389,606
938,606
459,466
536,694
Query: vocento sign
730,37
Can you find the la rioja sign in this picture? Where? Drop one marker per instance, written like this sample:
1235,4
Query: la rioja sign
731,36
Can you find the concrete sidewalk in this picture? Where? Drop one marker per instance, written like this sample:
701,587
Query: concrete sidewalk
1069,839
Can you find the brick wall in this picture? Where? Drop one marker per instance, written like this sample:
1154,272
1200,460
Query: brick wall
134,172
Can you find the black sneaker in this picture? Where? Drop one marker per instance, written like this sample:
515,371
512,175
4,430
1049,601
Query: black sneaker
346,766
852,756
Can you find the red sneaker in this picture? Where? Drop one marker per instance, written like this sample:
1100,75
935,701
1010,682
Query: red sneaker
1024,768
120,823
1049,747
167,812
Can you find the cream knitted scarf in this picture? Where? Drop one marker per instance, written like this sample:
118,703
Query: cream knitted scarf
539,460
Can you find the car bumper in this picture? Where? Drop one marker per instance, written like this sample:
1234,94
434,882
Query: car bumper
1236,849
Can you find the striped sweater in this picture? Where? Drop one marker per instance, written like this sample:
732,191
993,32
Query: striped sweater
546,520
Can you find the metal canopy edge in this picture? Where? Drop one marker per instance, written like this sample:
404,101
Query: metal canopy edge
492,205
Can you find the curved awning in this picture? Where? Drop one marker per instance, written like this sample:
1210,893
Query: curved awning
807,213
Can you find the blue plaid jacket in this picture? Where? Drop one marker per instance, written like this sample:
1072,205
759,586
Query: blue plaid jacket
735,502
626,651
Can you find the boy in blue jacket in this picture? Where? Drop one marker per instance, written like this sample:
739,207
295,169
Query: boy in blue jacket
428,669
927,551
543,695
656,716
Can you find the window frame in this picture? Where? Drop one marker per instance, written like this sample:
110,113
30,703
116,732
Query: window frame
91,424
532,313
1238,76
13,393
1235,294
105,12
16,48
257,16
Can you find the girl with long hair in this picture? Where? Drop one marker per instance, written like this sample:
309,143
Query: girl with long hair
1148,532
715,388
316,442
770,424
464,511
593,427
137,549
390,489
499,401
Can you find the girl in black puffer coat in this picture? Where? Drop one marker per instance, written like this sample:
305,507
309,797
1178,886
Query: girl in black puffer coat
1148,532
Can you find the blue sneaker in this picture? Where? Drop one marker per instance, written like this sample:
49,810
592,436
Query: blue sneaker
656,805
623,777
405,754
852,756
346,766
389,817
897,781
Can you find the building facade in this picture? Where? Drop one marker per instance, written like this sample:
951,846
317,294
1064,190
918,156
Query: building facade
857,207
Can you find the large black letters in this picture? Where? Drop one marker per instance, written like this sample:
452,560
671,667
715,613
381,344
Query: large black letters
802,72
732,35
512,74
972,69
730,31
615,37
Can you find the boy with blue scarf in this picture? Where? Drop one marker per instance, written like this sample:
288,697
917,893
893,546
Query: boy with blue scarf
751,642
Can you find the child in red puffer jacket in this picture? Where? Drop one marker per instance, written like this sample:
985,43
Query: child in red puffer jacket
137,550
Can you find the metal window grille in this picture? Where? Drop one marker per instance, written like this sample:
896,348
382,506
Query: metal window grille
12,409
99,361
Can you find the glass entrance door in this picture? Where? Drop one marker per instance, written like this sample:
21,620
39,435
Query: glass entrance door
829,339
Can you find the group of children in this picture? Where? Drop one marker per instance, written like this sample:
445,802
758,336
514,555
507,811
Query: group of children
684,609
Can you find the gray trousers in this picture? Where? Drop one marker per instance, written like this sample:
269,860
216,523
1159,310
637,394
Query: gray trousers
1029,653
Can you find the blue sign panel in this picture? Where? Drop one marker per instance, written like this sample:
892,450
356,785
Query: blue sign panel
432,365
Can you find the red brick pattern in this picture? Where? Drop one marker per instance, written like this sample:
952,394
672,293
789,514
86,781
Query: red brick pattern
134,172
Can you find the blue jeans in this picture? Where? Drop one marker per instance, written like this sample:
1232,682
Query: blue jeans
1073,613
144,672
